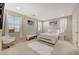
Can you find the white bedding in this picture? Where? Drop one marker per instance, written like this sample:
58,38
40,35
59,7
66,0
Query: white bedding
50,37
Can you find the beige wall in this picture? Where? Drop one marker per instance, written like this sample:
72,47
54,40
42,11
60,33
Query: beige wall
25,28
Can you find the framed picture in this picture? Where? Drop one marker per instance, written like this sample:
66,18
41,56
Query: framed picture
54,22
30,22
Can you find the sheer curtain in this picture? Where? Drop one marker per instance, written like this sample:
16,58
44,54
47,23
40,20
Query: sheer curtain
63,25
39,26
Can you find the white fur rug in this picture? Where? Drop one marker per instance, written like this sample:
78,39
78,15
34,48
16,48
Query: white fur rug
40,48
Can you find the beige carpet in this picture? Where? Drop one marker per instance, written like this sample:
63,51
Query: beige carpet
19,49
24,48
40,48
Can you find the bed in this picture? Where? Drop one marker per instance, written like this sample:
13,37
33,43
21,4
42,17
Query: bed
49,37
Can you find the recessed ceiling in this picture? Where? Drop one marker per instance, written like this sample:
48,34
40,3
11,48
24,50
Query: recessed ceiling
42,11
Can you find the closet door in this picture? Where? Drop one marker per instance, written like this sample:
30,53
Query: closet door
75,26
77,33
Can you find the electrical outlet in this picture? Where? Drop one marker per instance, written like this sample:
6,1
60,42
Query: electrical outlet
76,42
76,32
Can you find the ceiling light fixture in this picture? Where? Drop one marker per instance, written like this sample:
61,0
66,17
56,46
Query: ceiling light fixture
18,8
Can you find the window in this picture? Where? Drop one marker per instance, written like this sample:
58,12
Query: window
14,23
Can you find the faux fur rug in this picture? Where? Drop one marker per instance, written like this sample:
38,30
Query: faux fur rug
40,48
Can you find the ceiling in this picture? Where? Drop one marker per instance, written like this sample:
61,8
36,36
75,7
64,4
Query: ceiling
42,11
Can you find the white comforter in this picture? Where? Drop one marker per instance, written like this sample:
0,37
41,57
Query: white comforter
50,37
